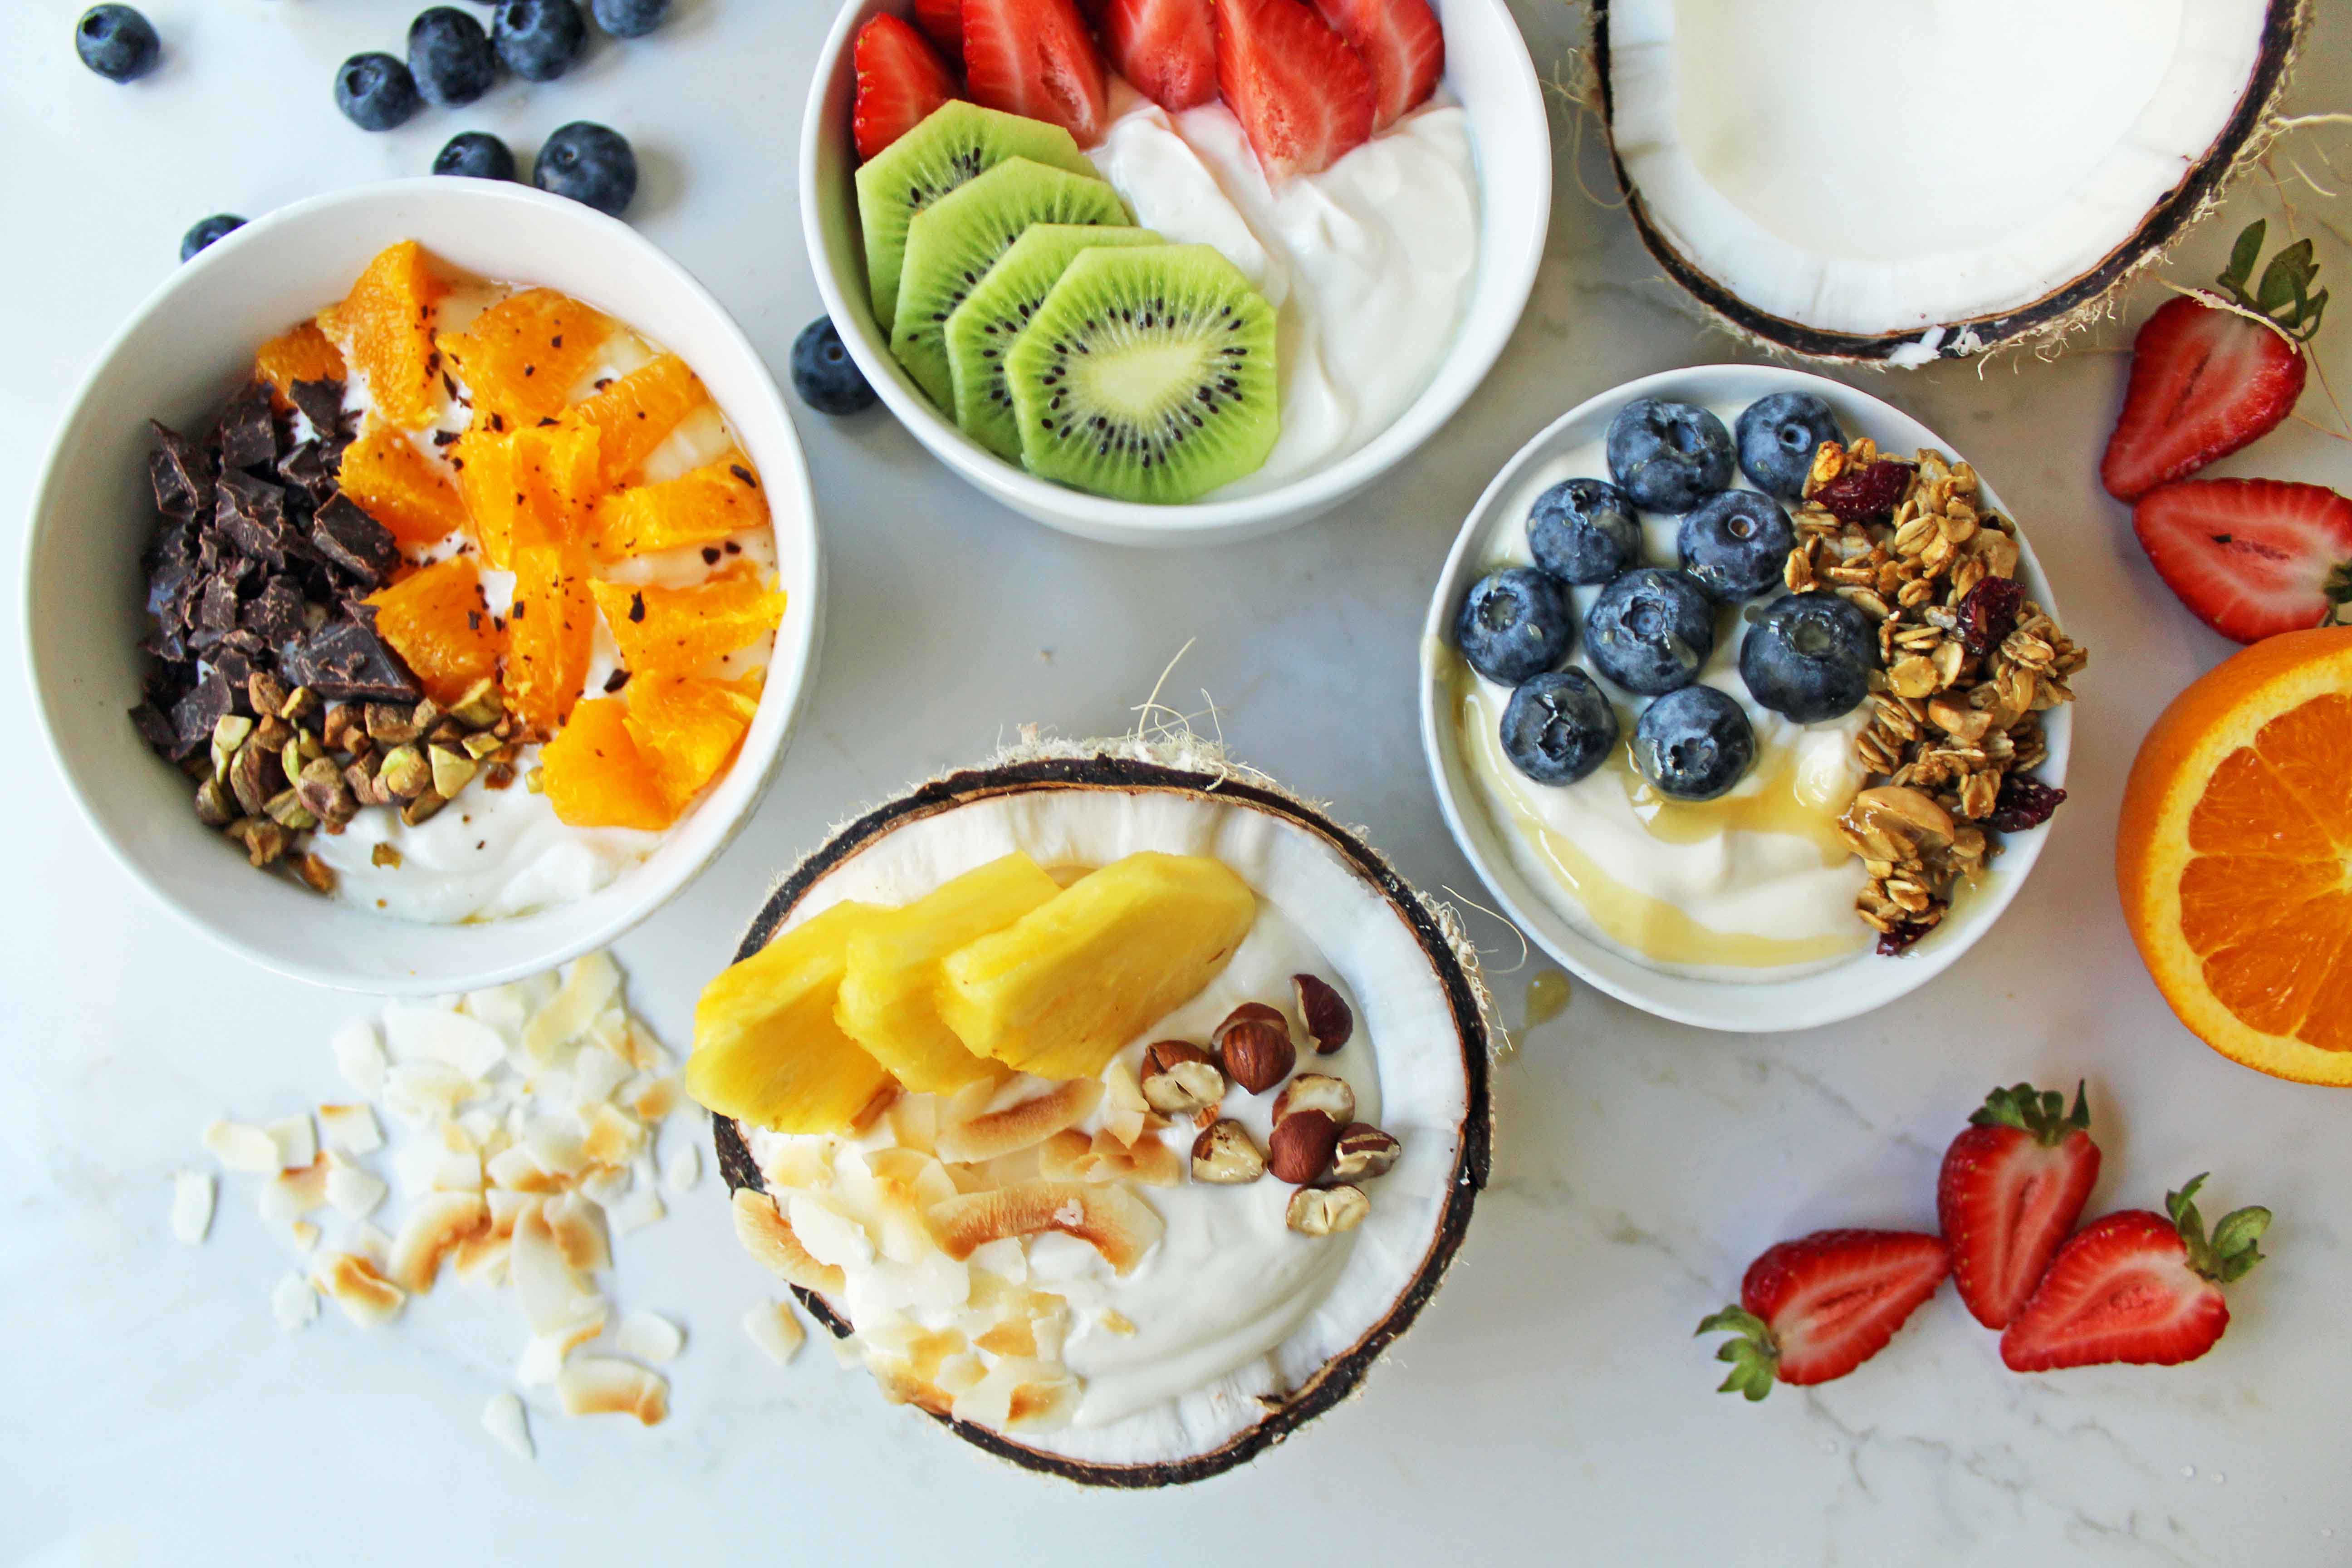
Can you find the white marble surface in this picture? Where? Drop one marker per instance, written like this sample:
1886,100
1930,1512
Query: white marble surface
1551,1406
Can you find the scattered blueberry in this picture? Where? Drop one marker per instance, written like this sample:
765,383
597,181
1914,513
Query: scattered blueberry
1694,744
589,163
1736,544
1650,630
824,375
538,39
1584,532
450,57
1558,727
1808,657
629,18
1514,623
477,153
375,92
1668,457
1778,437
206,231
117,42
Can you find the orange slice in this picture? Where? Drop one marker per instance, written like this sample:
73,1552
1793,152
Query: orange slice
302,355
592,775
520,357
384,329
676,631
483,460
436,619
688,728
550,632
400,487
634,414
557,482
699,508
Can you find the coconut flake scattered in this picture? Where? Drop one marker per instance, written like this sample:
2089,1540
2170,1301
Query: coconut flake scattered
503,1418
606,1385
297,1142
294,1302
641,1209
353,1283
305,1234
682,1167
240,1147
773,1327
430,1034
192,1206
1911,356
290,1195
649,1336
589,984
353,1192
361,1059
349,1129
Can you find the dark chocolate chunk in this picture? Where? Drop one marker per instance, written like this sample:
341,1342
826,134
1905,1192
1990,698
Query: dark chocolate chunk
252,515
180,473
276,615
157,730
235,666
322,403
217,608
306,472
353,542
249,435
345,661
206,703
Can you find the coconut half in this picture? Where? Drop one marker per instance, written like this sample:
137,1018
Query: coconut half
1866,180
1423,1028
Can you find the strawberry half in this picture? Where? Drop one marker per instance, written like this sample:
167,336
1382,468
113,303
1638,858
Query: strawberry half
1167,49
2137,1286
900,80
942,22
1400,39
1816,1308
2206,381
2011,1189
1035,58
1304,98
2252,557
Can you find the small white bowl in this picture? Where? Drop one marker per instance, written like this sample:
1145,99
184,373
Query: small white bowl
1486,66
1842,989
182,352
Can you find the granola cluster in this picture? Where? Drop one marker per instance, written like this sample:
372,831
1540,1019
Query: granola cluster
1968,664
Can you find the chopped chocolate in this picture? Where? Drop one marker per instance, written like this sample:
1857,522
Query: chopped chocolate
158,731
306,472
180,473
742,473
615,681
217,606
251,514
276,615
345,661
249,435
322,403
353,542
205,704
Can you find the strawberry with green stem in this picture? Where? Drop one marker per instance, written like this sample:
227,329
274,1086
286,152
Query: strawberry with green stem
1816,1308
2012,1187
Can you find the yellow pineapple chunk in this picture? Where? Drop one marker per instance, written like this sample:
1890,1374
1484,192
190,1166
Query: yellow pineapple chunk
888,993
766,1046
1062,989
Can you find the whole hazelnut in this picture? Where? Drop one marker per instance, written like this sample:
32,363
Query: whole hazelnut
1300,1149
1257,1055
1327,1211
1329,1021
1363,1152
1179,1078
1224,1154
1316,1091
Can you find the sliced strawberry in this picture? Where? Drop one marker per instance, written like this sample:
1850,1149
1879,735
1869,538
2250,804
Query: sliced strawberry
1035,58
2137,1286
2252,557
1304,98
2011,1187
1167,49
942,22
900,80
1816,1308
1400,41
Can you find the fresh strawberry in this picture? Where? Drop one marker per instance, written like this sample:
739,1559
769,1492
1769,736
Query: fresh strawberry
2011,1189
1400,41
1817,1308
942,22
2137,1286
1167,49
2204,380
2252,557
1035,58
1304,98
900,80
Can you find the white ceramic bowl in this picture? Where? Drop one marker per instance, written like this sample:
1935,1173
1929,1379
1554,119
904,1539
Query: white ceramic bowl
181,355
1486,66
1842,989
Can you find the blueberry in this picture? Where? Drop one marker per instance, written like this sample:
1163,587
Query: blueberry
477,153
824,375
375,92
450,57
1514,623
1808,657
589,163
1777,436
117,42
1584,532
206,231
1694,744
1736,544
1558,727
1650,630
538,39
629,18
1668,457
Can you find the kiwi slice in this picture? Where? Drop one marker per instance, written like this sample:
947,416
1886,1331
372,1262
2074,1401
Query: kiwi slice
953,242
954,143
993,314
1147,375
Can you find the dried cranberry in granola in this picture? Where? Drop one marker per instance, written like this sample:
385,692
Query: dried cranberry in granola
1988,612
2024,802
1867,494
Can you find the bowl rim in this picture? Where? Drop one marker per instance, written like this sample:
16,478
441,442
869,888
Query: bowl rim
1139,522
1802,1002
806,545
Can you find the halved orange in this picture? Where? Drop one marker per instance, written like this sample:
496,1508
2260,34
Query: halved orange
2234,856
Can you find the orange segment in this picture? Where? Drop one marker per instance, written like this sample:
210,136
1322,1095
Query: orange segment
592,775
302,354
637,411
483,460
699,508
520,357
688,728
384,329
550,632
400,487
557,483
436,619
676,631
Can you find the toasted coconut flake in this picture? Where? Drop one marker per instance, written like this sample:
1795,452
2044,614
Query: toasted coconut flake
960,1374
422,1093
503,1007
1067,1156
607,1186
432,1168
1019,1392
1125,1111
604,1385
592,983
558,1145
1005,1260
293,1303
353,1283
901,1385
768,1238
290,1195
240,1147
1110,1220
438,1035
649,1336
641,1209
652,1098
360,1058
805,1163
1117,1323
915,1122
349,1129
614,1138
436,1223
682,1167
503,1418
297,1140
830,1236
1155,1165
646,1053
1045,1405
192,1206
541,1361
370,1243
481,1258
353,1192
506,1208
774,1327
515,1170
1014,1337
304,1234
995,1133
608,1030
578,1226
551,1295
595,1074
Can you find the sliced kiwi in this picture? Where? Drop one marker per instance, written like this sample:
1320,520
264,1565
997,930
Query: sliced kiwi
996,309
953,242
1147,374
955,142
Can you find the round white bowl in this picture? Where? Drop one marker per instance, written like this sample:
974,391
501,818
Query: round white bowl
182,352
1842,989
1486,66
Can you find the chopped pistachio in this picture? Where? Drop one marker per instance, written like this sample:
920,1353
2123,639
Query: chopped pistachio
384,855
215,808
481,707
391,724
479,746
287,810
422,808
229,732
404,773
452,771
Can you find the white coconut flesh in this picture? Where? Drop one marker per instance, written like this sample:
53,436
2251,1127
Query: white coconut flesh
1228,1306
1875,167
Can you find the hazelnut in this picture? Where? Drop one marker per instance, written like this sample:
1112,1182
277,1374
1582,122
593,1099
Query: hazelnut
1180,1079
1224,1153
1363,1152
1257,1054
1301,1146
1327,1211
1329,1021
1316,1091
